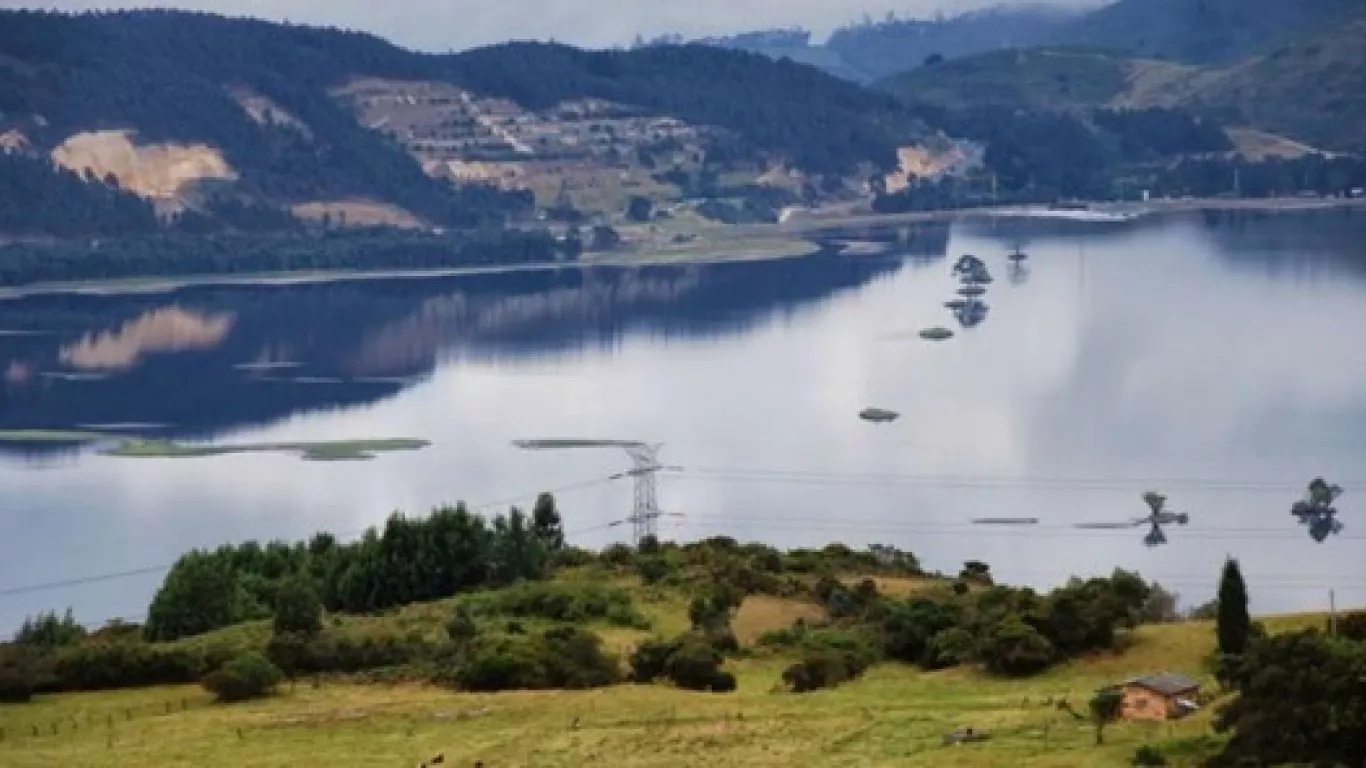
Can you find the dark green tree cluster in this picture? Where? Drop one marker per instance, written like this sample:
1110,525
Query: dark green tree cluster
38,197
1013,632
1301,701
249,676
48,631
1153,133
181,254
690,661
1272,177
409,560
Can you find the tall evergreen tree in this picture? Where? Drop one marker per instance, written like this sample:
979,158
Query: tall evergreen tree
1234,623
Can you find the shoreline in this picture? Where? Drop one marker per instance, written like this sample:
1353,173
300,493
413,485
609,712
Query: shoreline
710,251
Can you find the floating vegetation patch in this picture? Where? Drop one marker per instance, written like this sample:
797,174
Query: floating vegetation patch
49,436
126,426
937,333
878,415
972,290
266,366
340,450
62,376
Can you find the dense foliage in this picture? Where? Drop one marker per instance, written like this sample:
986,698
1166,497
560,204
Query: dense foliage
173,255
249,676
41,198
48,631
410,560
1013,632
1301,700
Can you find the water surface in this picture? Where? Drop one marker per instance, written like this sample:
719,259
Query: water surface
1211,357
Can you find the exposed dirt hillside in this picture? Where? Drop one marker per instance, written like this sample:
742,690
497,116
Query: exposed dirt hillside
158,171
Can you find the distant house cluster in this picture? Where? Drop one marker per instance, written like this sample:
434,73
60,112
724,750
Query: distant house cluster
460,136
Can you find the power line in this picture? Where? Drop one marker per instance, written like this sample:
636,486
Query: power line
151,569
1015,532
818,477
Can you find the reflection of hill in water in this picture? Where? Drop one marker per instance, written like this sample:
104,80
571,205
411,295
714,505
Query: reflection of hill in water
178,359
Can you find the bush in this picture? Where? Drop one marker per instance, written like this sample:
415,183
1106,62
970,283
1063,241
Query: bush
114,665
650,660
22,670
249,676
1352,626
1016,649
696,666
825,668
1149,756
566,658
292,652
951,648
297,608
569,602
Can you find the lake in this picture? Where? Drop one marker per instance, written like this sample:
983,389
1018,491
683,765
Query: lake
1212,357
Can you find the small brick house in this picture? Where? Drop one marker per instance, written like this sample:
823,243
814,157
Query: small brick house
1167,696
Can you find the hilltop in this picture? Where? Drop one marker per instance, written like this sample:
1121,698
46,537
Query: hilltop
240,121
1311,88
1195,31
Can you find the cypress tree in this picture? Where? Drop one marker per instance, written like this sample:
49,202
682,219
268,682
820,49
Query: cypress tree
1234,623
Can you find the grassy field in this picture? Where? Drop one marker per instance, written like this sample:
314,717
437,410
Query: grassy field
893,716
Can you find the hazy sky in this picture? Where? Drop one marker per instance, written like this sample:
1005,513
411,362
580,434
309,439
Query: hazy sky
444,24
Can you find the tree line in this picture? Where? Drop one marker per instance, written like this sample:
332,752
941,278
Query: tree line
174,254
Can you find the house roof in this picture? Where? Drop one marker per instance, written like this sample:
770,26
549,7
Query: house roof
1167,683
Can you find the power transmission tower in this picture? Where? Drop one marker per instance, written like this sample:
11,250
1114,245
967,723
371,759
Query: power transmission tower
645,510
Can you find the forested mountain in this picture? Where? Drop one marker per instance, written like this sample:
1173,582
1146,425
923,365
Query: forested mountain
270,99
1310,87
872,50
896,45
1196,31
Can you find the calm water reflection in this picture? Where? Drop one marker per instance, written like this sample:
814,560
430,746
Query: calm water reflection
1172,354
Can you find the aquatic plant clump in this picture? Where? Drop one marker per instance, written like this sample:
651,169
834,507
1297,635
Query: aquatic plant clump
345,450
937,333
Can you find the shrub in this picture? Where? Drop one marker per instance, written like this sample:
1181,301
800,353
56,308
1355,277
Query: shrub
114,665
950,648
249,676
650,660
1149,756
652,569
292,652
696,666
297,608
1352,626
1016,649
569,602
566,658
824,668
22,670
461,628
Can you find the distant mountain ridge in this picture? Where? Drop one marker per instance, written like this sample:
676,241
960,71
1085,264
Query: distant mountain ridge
1310,86
346,126
1186,31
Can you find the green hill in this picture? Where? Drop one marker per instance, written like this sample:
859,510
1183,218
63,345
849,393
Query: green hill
1034,78
1311,87
1196,31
